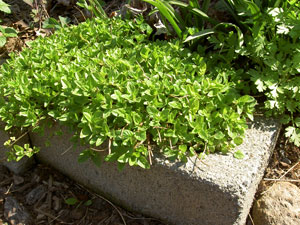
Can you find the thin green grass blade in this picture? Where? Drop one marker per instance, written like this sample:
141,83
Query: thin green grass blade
167,13
238,30
200,34
194,4
205,5
230,7
195,11
97,9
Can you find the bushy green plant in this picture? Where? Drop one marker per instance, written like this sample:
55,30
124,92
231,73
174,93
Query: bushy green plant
6,32
105,79
259,40
268,60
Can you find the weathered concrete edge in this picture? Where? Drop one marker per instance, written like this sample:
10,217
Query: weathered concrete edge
235,176
238,180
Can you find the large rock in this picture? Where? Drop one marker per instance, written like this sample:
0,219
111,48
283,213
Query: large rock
218,190
280,205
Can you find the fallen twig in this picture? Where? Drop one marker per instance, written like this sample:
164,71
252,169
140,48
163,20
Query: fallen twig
251,219
285,180
290,169
109,202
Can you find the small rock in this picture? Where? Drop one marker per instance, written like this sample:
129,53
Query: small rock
279,205
36,194
16,213
284,164
18,180
286,160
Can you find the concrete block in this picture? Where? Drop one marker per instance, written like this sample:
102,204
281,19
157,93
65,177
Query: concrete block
17,167
218,190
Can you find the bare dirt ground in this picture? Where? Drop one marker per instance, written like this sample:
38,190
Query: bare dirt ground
43,193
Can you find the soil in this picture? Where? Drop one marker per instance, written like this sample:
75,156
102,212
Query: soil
47,194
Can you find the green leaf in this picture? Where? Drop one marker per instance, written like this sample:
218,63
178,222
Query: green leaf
4,7
141,135
285,119
238,140
85,132
97,159
18,148
88,202
166,10
84,156
297,121
175,105
294,134
100,140
64,20
121,166
88,116
200,34
2,41
152,111
238,154
71,201
112,157
143,162
290,131
182,148
10,32
137,119
246,99
219,135
51,23
145,52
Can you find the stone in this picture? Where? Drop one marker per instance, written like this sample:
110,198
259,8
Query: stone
36,194
217,190
16,213
279,205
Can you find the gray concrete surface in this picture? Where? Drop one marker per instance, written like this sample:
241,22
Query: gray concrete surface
218,190
17,167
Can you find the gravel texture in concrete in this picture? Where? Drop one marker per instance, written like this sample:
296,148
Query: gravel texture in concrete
218,190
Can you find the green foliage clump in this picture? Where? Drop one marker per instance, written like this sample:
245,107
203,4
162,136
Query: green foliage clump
275,52
105,79
257,42
6,32
265,60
